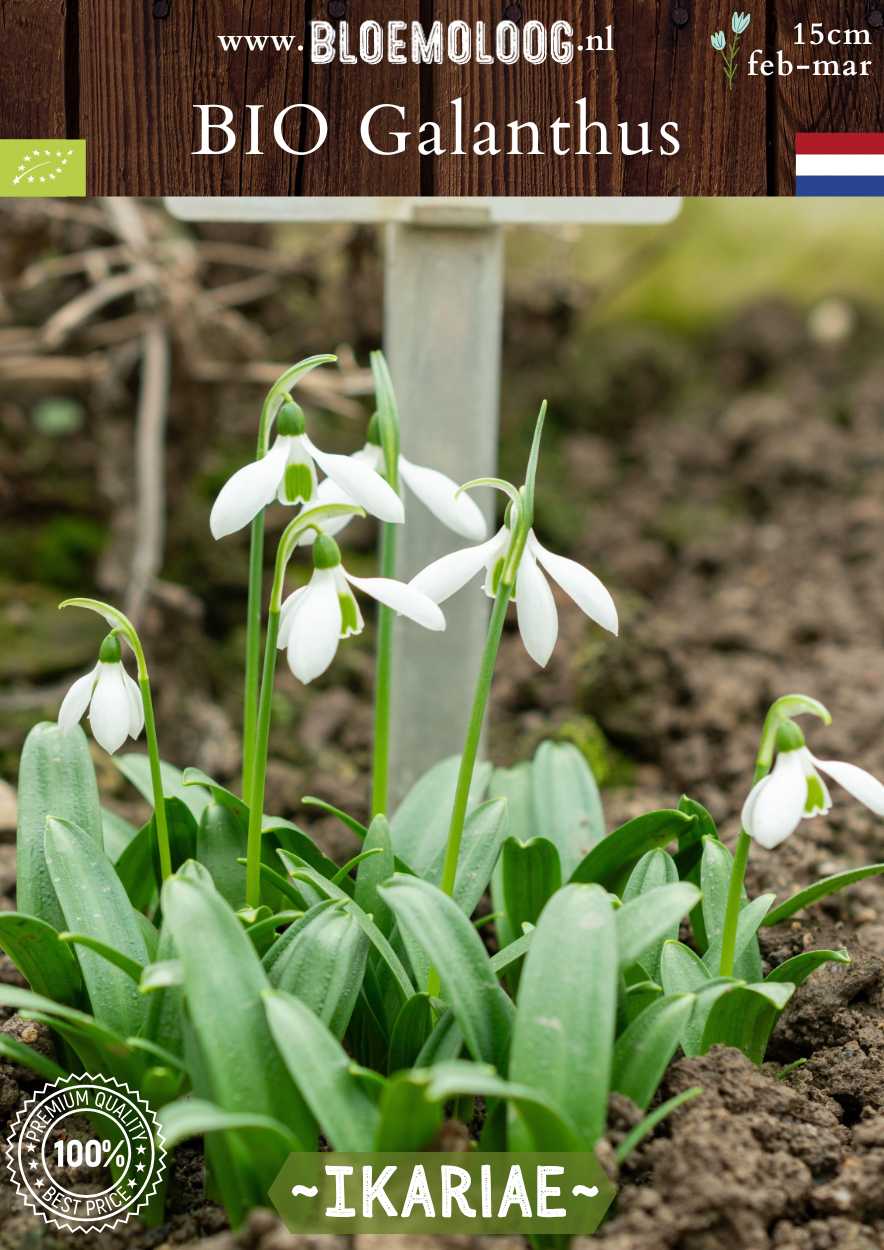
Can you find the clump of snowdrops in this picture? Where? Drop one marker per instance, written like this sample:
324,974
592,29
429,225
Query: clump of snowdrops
260,995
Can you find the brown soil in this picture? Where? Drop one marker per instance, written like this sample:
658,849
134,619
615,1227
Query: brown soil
742,540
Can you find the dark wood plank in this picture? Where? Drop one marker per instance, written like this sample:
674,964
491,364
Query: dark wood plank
659,72
344,93
524,92
667,69
805,102
140,77
32,69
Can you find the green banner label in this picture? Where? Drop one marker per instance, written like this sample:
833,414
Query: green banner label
42,167
442,1193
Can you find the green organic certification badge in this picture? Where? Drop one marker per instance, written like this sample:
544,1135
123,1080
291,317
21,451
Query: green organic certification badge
42,167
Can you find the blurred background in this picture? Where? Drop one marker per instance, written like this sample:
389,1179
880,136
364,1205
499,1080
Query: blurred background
715,452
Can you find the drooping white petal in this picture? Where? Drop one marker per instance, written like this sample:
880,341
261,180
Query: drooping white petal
75,702
250,489
439,493
406,600
444,577
536,610
588,592
362,484
287,614
110,711
775,804
315,631
865,788
136,705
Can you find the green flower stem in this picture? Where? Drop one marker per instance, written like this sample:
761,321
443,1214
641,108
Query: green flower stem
763,763
259,763
380,787
474,732
253,653
156,779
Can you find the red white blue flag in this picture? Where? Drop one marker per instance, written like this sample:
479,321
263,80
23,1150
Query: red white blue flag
845,164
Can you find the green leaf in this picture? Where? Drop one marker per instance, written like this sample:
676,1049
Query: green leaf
643,1051
195,1117
409,1120
289,837
684,972
163,975
374,872
567,804
654,869
643,924
531,872
435,923
218,794
303,872
812,894
749,921
240,1066
14,1051
94,903
548,1129
690,842
97,1047
114,957
220,842
617,854
136,868
323,965
567,1009
136,769
799,968
412,1027
483,836
321,1067
118,833
637,1135
55,778
745,1016
445,1042
420,826
350,822
47,964
515,785
715,874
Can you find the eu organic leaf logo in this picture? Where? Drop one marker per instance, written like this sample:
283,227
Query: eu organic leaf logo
42,167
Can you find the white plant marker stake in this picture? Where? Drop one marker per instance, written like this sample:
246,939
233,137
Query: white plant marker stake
442,334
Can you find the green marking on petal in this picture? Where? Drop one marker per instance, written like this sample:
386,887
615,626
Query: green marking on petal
349,615
297,484
816,798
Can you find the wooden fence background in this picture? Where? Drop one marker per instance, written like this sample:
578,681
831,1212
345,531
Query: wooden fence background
125,74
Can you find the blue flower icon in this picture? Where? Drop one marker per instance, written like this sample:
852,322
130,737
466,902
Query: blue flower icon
740,23
718,41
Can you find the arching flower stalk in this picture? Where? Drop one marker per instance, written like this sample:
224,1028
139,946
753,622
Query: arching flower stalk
310,625
118,708
766,818
511,560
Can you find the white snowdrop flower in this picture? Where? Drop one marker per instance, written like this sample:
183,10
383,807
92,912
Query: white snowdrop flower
794,790
435,490
315,618
116,710
288,473
535,605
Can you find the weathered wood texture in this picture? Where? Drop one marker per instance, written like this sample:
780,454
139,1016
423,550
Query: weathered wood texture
127,77
33,61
